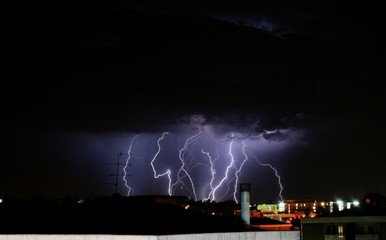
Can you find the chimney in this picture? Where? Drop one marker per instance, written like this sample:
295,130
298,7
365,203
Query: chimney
245,188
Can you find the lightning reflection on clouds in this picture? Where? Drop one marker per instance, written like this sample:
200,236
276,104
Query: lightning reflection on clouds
204,165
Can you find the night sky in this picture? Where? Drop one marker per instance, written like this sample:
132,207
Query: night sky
298,86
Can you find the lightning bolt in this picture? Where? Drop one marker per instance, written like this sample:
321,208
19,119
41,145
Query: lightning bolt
220,181
168,172
129,189
276,174
212,172
237,173
231,163
183,169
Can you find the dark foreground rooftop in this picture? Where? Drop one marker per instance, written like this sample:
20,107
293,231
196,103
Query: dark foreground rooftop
111,215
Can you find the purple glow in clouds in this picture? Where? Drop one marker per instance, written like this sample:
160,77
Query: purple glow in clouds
200,160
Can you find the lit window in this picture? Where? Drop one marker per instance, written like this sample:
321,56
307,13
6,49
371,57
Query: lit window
340,205
281,207
340,231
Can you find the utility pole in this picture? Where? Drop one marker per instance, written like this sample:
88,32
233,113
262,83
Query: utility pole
117,175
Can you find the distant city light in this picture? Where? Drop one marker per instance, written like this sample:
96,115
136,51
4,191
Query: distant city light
355,203
281,207
331,207
340,205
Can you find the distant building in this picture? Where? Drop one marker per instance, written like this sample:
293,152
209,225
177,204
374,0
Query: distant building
290,209
367,222
344,227
268,208
252,213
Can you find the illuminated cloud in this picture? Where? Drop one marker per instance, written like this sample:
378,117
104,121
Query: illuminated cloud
201,157
275,136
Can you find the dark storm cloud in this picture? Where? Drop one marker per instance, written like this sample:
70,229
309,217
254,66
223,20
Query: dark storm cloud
245,124
352,25
279,17
98,68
